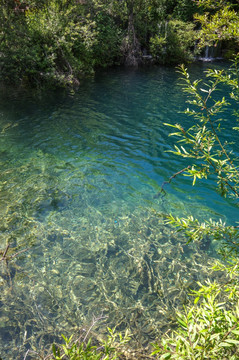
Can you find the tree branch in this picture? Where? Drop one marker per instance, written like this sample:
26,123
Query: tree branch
169,181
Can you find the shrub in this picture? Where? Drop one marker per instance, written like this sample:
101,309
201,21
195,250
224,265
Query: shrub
80,349
106,49
174,42
209,329
50,44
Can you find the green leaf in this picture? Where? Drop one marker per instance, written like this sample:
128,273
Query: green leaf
166,356
196,300
182,323
54,349
66,340
232,341
204,90
224,344
214,336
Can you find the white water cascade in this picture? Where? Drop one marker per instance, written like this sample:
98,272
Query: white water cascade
211,53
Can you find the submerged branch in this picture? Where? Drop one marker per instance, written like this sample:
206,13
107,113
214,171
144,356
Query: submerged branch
169,181
95,320
5,252
5,257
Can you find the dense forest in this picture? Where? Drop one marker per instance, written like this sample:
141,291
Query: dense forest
57,42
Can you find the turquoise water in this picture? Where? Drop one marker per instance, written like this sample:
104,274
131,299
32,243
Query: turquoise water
79,175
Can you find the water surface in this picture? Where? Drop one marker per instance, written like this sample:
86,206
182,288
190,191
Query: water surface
79,175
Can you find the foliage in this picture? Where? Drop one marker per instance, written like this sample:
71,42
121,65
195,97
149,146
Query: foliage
210,328
57,42
106,49
48,44
173,43
138,20
147,14
215,231
212,157
223,25
184,10
218,21
213,5
201,141
80,349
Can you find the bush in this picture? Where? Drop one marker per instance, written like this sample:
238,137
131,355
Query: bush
174,43
51,44
81,349
106,49
210,328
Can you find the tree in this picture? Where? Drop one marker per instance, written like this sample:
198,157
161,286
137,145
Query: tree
51,43
219,22
139,19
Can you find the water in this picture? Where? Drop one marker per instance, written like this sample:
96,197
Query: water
79,175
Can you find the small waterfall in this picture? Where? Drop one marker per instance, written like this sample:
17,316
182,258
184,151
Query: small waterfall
207,53
211,53
166,28
163,28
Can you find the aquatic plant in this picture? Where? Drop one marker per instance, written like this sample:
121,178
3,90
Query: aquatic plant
82,349
208,329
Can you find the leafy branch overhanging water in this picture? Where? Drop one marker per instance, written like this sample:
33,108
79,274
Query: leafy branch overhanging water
208,329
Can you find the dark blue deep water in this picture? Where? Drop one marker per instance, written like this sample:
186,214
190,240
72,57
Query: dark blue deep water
79,175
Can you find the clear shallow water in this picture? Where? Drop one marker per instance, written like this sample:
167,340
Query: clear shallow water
79,175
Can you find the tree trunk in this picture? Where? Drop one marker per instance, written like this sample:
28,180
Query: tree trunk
131,43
